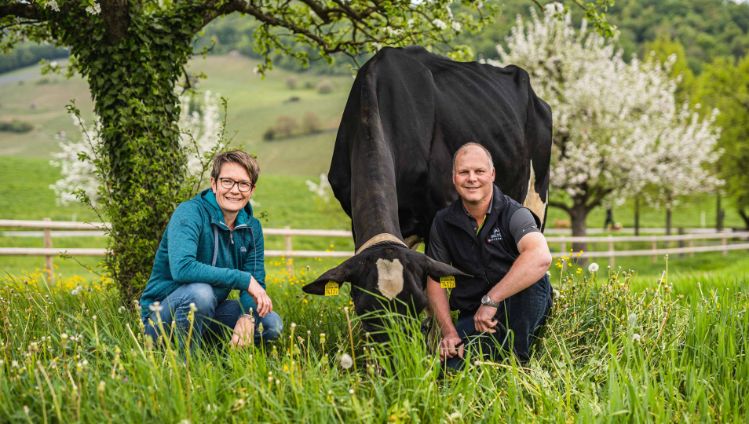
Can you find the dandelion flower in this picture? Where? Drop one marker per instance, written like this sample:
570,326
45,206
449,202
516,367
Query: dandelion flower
636,338
346,361
76,291
593,267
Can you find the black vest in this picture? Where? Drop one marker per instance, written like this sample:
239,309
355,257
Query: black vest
486,256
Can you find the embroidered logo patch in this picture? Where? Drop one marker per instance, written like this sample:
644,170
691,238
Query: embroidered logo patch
495,236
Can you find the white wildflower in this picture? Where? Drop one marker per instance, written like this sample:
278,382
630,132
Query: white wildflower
155,307
636,338
76,291
346,361
52,4
593,268
193,308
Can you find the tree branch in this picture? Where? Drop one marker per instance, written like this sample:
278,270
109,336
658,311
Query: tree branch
21,10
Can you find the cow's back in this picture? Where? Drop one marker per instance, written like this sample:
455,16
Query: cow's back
429,106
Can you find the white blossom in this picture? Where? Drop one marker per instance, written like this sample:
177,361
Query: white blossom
456,26
439,23
636,338
94,9
617,127
52,4
321,189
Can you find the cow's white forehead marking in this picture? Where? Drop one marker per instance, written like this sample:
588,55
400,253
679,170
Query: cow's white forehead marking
533,199
389,277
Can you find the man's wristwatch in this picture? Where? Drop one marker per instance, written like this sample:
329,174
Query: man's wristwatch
487,301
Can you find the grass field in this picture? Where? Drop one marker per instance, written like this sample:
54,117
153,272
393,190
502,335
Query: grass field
254,104
609,353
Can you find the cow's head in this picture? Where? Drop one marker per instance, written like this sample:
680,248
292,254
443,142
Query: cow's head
384,276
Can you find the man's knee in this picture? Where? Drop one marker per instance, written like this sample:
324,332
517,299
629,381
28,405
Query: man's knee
272,326
202,296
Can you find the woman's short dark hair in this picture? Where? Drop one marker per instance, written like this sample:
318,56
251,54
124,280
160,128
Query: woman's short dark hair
247,161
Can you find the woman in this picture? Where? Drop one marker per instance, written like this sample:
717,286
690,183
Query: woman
213,245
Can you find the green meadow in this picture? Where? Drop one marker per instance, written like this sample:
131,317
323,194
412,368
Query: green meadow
644,340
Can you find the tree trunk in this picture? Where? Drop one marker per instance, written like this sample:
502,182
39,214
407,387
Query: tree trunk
719,213
132,81
668,220
578,214
745,216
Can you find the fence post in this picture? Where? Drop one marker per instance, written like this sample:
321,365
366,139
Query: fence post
654,258
612,258
289,248
48,258
724,243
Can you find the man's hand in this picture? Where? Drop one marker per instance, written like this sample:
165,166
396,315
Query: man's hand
484,320
450,346
244,332
264,304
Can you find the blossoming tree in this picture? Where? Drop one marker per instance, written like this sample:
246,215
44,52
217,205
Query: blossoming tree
617,126
201,130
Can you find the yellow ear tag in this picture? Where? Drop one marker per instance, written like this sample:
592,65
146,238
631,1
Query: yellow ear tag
447,282
331,288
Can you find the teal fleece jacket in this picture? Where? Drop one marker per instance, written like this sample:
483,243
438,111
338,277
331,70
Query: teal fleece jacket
198,247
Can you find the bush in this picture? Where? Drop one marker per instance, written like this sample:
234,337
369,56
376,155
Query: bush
285,126
311,123
15,126
325,86
269,134
292,83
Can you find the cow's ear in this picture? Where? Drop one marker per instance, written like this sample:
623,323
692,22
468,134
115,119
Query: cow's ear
437,269
339,274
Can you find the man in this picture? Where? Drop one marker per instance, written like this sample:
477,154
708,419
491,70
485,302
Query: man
493,238
213,245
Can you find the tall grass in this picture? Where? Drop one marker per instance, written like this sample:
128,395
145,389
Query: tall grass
610,352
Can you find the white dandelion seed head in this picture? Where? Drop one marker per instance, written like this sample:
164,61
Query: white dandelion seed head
193,307
593,267
632,319
155,307
636,338
76,291
346,361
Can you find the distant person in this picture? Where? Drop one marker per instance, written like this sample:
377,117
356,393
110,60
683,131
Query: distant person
497,241
213,245
608,223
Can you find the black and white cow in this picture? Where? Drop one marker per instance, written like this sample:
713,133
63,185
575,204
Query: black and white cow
407,113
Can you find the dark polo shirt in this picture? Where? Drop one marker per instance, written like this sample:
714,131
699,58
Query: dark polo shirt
486,253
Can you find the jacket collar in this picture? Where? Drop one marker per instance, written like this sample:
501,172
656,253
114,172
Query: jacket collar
458,216
208,199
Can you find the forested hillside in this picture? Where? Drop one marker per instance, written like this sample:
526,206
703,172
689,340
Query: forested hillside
707,28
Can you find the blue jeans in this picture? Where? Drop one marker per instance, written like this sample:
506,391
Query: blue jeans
214,318
519,318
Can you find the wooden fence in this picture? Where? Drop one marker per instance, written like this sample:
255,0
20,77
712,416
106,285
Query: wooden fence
722,242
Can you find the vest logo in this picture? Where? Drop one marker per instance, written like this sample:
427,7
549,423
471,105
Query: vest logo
495,236
243,249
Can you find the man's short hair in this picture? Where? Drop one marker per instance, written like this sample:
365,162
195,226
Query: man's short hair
473,144
244,159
